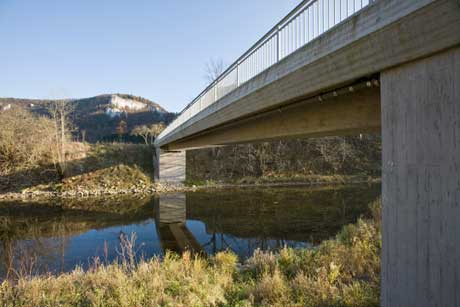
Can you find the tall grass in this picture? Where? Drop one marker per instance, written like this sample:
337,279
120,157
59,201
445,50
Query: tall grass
343,271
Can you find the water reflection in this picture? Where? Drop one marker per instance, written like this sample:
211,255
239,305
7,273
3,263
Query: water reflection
170,221
57,236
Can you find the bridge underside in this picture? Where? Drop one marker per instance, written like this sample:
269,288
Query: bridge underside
354,110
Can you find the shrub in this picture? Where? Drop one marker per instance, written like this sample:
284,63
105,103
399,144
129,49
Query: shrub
25,140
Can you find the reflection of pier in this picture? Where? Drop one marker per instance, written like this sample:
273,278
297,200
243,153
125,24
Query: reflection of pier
170,217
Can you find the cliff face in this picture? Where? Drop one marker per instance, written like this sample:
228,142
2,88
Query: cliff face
119,106
330,156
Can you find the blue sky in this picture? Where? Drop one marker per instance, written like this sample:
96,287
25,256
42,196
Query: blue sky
150,48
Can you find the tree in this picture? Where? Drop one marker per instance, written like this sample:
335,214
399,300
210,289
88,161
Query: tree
156,129
60,111
142,131
148,133
25,141
213,69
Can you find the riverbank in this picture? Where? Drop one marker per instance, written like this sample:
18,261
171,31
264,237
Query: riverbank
343,271
95,192
143,188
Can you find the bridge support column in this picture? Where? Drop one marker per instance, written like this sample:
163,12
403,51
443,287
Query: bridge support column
156,164
169,166
420,104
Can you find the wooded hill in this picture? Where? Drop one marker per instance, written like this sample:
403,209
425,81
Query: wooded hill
105,117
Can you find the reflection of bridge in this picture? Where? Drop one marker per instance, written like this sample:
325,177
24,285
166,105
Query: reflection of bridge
348,66
170,218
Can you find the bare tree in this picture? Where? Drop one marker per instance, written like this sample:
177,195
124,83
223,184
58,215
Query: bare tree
156,129
148,133
60,111
213,69
142,131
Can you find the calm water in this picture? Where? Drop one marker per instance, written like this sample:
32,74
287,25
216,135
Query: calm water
55,237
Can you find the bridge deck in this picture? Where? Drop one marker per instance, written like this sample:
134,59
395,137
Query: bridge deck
359,47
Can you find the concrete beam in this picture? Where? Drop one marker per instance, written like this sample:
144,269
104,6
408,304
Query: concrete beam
421,182
355,112
381,36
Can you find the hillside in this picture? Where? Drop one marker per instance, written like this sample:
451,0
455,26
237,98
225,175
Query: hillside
104,117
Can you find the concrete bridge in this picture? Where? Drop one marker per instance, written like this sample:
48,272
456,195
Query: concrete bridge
335,67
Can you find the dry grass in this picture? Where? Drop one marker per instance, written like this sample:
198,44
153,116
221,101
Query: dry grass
341,272
116,165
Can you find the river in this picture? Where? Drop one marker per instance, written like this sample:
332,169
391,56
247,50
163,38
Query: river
57,236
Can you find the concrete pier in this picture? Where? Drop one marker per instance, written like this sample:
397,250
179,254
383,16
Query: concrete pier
169,166
421,182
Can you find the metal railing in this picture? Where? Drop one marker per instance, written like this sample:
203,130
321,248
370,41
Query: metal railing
306,22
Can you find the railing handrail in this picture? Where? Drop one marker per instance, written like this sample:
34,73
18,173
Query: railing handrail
293,14
252,66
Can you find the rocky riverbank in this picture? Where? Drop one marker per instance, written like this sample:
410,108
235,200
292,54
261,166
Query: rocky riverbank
99,192
143,188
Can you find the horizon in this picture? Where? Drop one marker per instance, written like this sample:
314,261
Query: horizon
157,51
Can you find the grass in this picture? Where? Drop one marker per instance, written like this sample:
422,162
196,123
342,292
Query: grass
343,271
117,165
286,179
91,167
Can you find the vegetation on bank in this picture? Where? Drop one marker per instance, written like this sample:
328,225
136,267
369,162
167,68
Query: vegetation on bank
90,169
39,159
343,271
280,180
307,160
37,154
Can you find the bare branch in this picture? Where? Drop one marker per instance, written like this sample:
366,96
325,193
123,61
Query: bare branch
213,69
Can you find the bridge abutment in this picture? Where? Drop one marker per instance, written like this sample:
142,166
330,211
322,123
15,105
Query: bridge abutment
420,104
169,166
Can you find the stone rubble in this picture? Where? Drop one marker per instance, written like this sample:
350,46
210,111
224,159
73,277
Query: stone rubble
141,188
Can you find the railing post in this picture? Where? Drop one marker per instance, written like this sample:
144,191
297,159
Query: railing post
238,74
278,44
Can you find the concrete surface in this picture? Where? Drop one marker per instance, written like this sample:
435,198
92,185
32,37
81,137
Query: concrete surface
171,167
421,182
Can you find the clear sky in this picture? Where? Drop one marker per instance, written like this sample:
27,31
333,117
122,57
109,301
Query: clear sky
151,48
